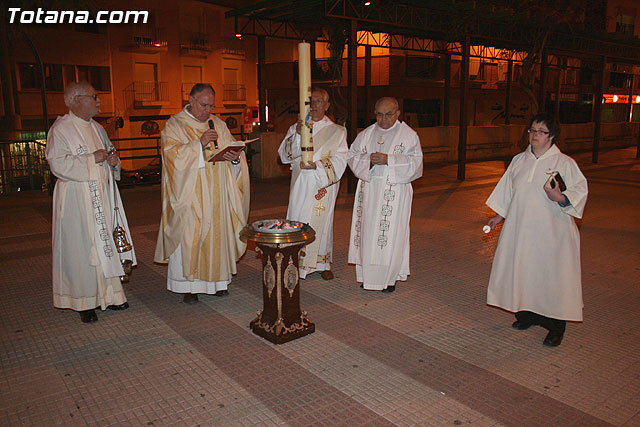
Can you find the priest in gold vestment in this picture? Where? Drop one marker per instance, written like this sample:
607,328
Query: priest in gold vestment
204,204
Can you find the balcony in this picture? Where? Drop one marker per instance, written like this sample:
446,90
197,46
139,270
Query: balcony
195,44
186,89
627,29
234,94
147,40
148,94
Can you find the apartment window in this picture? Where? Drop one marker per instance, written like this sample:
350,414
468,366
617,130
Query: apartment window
422,67
191,74
69,74
587,76
489,72
570,76
517,72
99,77
624,24
620,80
30,76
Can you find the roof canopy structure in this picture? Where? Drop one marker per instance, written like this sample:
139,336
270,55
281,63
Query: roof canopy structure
529,31
414,25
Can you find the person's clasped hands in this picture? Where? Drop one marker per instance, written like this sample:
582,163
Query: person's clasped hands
378,158
111,157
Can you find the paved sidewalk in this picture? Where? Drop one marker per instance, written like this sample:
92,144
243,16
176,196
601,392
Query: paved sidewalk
430,354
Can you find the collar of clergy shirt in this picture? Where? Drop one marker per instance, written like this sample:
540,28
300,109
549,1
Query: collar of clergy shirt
79,120
387,130
186,110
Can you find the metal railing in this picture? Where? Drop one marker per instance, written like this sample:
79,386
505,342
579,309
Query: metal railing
155,147
195,42
23,166
234,92
186,90
150,91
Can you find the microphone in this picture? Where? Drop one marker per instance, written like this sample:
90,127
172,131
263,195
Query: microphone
215,142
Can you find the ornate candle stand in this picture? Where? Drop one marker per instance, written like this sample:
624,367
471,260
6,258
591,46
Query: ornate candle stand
280,320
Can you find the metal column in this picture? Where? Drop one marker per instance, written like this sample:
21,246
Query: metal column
367,85
262,86
597,110
462,134
542,104
352,117
447,90
507,101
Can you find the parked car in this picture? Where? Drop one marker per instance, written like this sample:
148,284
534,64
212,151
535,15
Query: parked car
149,174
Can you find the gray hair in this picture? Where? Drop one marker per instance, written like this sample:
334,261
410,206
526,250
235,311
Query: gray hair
199,87
325,94
74,89
387,98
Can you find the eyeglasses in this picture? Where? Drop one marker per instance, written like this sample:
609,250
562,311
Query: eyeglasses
387,115
534,131
94,96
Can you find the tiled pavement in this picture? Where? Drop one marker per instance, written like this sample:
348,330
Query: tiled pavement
431,354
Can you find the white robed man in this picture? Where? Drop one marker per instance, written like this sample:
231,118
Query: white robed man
86,265
204,204
536,267
385,157
315,185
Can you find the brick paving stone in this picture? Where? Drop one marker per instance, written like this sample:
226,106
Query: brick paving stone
432,353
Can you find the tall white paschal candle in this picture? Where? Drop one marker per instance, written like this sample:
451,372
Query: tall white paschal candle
304,80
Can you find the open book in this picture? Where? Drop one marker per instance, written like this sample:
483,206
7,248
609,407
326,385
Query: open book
235,146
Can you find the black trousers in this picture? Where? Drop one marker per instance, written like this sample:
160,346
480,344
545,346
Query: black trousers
552,325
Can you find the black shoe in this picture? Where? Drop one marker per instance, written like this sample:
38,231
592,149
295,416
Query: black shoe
221,293
361,285
122,306
88,316
389,289
190,298
520,325
553,339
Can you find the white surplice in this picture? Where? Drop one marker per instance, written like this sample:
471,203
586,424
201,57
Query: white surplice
536,266
379,242
313,192
86,265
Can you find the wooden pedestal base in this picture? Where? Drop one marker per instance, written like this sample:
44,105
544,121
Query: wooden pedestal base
270,332
281,319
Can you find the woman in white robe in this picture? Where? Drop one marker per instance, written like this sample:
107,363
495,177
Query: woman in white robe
536,267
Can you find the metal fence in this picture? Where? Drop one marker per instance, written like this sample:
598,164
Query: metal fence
23,164
145,150
234,93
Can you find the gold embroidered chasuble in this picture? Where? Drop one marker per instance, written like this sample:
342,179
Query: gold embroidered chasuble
204,205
